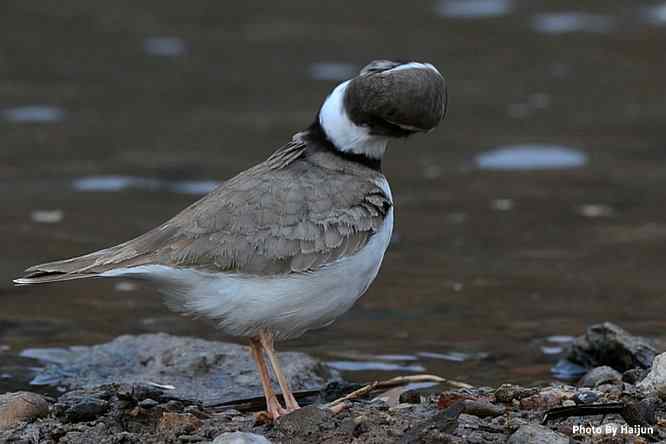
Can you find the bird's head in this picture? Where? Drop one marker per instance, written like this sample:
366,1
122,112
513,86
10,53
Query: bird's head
386,100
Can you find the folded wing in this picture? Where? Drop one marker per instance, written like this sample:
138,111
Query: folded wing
285,215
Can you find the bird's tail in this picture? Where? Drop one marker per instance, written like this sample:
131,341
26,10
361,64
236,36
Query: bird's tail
128,254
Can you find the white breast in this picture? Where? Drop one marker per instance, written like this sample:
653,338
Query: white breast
287,305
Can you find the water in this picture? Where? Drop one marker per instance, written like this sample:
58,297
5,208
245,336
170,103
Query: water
47,216
472,9
656,14
164,46
34,114
565,22
355,366
333,71
518,225
120,183
531,157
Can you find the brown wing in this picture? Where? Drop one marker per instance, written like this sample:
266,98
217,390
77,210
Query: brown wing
287,214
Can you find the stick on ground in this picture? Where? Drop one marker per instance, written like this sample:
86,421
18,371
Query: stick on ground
394,382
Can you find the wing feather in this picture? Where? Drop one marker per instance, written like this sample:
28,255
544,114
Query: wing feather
287,214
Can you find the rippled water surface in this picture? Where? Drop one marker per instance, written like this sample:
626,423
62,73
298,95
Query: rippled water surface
533,211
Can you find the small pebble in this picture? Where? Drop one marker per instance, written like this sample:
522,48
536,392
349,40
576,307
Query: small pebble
634,375
410,397
148,403
548,398
482,408
510,392
585,397
174,406
360,426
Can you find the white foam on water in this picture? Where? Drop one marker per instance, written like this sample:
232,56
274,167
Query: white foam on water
371,365
120,183
455,356
560,339
194,186
566,22
125,286
551,350
531,157
164,46
595,210
34,114
332,71
471,9
47,216
397,357
106,183
655,15
502,204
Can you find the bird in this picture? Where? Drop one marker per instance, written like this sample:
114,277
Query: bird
290,244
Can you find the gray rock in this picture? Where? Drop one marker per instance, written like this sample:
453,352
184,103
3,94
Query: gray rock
655,381
78,407
600,375
21,406
643,412
240,438
634,375
148,403
431,430
305,421
198,370
608,344
177,424
532,433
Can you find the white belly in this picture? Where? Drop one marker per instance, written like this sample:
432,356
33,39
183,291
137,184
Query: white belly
287,305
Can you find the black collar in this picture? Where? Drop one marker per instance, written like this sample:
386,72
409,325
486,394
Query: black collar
317,135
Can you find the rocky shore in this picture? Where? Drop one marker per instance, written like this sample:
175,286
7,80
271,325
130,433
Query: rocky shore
165,389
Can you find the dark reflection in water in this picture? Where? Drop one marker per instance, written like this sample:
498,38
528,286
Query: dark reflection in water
505,249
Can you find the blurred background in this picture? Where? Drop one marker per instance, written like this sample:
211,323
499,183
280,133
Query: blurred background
535,210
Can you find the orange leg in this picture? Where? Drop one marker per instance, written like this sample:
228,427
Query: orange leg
272,404
267,342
